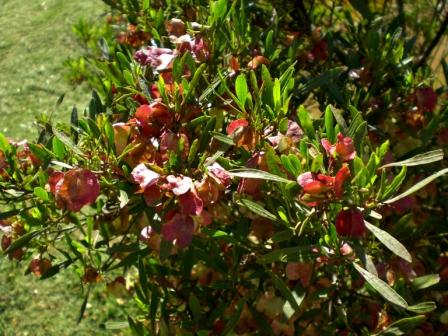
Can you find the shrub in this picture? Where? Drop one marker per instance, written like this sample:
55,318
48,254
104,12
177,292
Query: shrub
236,166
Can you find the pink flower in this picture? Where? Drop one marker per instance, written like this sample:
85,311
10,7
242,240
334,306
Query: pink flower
144,176
157,58
220,175
350,223
191,204
77,187
179,229
343,148
179,185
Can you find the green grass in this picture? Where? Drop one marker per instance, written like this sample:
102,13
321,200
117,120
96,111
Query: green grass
32,307
36,38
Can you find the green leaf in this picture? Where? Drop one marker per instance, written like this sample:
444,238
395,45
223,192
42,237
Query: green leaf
83,306
41,193
382,288
329,124
195,307
285,292
223,138
128,77
233,321
419,159
257,174
320,80
241,90
390,242
395,184
305,121
42,153
288,309
423,307
400,327
67,141
276,94
417,186
58,148
295,254
23,240
258,209
4,143
194,82
425,281
123,198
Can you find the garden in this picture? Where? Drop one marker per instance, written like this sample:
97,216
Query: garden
190,167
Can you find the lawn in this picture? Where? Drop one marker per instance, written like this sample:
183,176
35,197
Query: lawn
36,39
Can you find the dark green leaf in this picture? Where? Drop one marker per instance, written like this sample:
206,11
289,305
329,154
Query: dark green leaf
417,186
381,287
390,242
258,209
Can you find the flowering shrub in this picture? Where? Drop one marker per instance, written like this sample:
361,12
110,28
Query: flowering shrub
223,201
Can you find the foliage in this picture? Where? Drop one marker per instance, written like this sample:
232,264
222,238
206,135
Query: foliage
239,171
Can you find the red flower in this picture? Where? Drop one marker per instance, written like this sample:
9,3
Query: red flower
319,186
235,124
425,98
350,223
343,148
341,176
39,266
179,229
152,118
78,187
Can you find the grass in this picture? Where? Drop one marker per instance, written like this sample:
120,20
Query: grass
36,39
51,307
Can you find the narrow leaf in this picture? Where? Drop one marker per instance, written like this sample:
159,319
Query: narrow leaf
257,174
419,159
258,209
241,90
382,288
425,281
401,326
417,186
390,242
423,307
